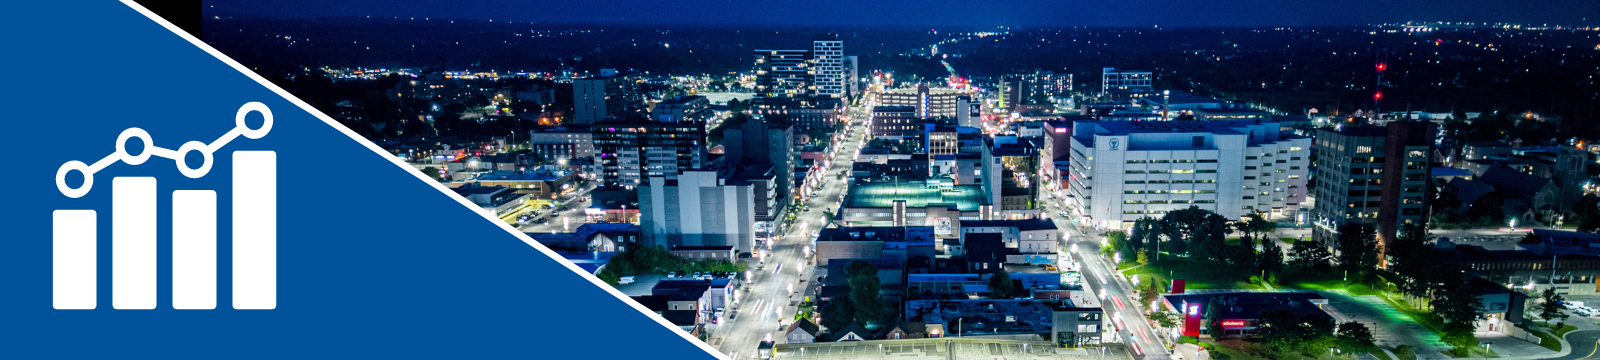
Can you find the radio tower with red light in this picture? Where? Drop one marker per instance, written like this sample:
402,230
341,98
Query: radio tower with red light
1377,91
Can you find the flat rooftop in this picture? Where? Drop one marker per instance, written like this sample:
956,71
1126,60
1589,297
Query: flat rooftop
916,195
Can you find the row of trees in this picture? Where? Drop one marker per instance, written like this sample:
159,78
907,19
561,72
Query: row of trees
657,260
1419,274
1201,235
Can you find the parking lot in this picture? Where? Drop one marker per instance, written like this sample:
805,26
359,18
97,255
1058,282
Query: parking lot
943,349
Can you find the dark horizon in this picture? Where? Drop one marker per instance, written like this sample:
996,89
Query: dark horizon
941,13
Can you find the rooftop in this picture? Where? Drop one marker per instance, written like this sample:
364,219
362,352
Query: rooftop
543,173
1250,305
990,317
1021,225
916,195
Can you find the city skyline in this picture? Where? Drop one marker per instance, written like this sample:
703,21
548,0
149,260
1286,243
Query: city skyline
947,13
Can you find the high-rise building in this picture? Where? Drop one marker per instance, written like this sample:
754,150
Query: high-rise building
1149,168
1373,175
1024,88
757,143
786,88
1111,79
828,67
783,76
609,95
699,208
628,151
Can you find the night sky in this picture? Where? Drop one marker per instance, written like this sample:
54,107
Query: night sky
933,13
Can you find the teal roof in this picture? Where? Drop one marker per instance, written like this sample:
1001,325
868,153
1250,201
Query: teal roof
916,195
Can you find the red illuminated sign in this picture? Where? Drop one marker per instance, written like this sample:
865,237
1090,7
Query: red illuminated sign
1233,323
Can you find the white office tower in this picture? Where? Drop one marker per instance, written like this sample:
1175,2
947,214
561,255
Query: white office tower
1125,170
827,55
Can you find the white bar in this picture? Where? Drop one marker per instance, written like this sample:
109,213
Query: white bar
255,230
133,243
194,249
73,259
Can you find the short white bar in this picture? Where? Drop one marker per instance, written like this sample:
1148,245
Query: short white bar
72,264
255,230
194,249
133,243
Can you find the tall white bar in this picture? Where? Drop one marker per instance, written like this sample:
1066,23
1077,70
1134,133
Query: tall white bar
194,249
72,271
133,243
255,230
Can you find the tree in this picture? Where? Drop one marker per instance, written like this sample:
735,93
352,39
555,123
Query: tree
431,173
1310,335
1271,258
1254,226
864,292
1196,232
1488,208
1164,319
838,314
1309,256
1358,248
1456,302
1412,261
1000,285
1213,316
1355,337
1550,310
1149,292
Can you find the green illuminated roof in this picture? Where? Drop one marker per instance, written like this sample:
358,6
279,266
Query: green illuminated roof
916,195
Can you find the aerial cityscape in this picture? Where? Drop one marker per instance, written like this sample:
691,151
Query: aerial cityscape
1354,188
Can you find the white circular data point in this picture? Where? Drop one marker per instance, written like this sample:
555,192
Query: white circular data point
183,154
61,179
122,146
266,120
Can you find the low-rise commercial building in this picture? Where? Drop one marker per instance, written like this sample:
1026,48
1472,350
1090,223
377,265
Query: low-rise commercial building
494,200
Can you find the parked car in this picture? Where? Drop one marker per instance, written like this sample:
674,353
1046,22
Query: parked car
672,274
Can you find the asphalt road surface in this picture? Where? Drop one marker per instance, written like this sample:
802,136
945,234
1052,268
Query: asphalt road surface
766,302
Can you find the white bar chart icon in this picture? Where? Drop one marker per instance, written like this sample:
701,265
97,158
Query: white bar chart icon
133,243
73,259
134,229
194,249
255,230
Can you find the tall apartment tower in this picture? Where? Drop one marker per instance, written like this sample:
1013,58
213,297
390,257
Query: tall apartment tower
630,152
609,95
1373,175
827,55
783,74
759,142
